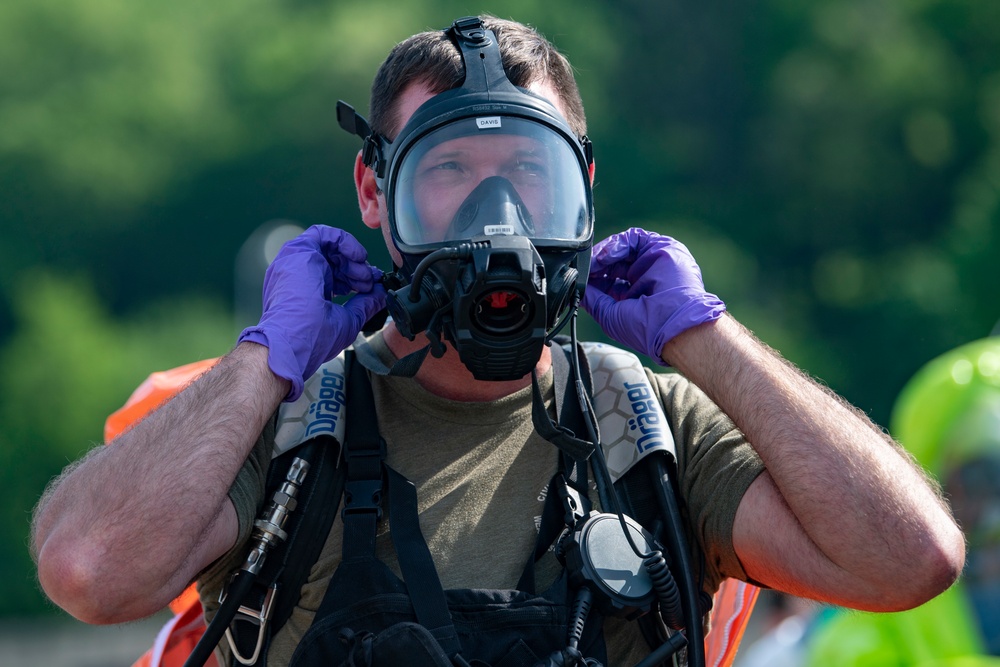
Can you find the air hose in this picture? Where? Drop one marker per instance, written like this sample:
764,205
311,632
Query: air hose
268,533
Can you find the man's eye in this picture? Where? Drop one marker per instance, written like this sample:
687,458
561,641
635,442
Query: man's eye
528,172
530,167
442,173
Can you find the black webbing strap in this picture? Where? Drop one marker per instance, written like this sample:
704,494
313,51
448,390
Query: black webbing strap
417,564
550,527
364,454
559,434
569,413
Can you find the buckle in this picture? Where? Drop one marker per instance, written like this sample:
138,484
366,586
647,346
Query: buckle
370,156
363,495
574,505
259,617
470,30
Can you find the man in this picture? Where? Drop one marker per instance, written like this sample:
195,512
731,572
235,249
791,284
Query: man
798,491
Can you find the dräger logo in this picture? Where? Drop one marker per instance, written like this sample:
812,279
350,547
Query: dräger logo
488,123
328,410
648,418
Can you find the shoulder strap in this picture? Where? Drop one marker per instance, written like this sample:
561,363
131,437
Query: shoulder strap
324,501
285,571
633,425
367,478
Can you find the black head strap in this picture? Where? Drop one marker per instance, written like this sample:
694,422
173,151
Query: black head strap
481,54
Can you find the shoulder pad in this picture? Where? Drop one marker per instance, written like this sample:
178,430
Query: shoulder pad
318,411
632,422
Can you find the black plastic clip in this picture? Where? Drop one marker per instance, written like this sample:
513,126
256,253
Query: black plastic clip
471,31
363,495
353,122
574,505
365,478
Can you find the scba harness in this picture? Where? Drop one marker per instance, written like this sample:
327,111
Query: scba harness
370,616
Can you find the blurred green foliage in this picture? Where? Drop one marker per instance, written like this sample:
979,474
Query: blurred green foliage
834,166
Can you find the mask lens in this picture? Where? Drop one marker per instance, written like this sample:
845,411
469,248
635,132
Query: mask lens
442,169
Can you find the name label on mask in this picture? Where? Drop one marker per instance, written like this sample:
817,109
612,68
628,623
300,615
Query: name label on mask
494,230
488,123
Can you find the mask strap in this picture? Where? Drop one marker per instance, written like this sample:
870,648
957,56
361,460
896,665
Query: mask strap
481,55
406,367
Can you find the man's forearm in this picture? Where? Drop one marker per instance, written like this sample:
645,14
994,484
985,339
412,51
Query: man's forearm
128,527
869,512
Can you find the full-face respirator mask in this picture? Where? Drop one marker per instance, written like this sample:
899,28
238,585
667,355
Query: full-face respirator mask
491,210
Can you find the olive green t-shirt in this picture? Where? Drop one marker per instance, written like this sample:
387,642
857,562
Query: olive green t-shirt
481,473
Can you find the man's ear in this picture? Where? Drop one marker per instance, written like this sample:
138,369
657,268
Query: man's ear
368,194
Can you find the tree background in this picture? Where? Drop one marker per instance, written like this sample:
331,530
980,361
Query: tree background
833,165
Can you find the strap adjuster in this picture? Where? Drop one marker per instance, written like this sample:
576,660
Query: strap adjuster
471,31
371,156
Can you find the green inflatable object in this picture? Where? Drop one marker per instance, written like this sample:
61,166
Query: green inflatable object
949,411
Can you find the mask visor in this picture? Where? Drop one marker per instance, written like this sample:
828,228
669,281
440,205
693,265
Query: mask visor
456,179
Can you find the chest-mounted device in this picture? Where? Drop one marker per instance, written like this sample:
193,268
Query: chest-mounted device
491,210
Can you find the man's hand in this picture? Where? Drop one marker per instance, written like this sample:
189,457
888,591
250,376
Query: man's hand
644,289
301,326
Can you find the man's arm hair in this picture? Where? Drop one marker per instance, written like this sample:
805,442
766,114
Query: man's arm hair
841,514
126,528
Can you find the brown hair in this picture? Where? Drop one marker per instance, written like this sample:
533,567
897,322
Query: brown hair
432,59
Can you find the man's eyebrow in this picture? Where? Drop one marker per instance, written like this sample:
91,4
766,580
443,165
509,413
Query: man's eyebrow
534,152
435,155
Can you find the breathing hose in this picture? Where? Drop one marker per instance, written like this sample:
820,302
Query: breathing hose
689,598
238,589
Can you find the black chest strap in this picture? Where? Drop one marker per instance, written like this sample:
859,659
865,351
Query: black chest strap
364,456
368,478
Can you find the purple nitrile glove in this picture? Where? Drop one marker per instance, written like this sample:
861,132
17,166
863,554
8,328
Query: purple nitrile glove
301,327
645,288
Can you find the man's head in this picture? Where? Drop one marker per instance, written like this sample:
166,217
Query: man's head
430,63
477,170
431,59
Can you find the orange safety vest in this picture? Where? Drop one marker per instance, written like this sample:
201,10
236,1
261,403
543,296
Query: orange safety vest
731,610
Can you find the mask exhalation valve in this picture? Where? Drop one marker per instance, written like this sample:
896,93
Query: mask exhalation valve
502,311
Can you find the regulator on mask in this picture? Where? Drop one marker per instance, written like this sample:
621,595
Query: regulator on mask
490,208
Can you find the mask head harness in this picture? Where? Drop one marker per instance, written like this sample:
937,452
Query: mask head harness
491,210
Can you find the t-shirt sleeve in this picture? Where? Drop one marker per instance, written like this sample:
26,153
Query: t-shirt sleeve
247,495
716,465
